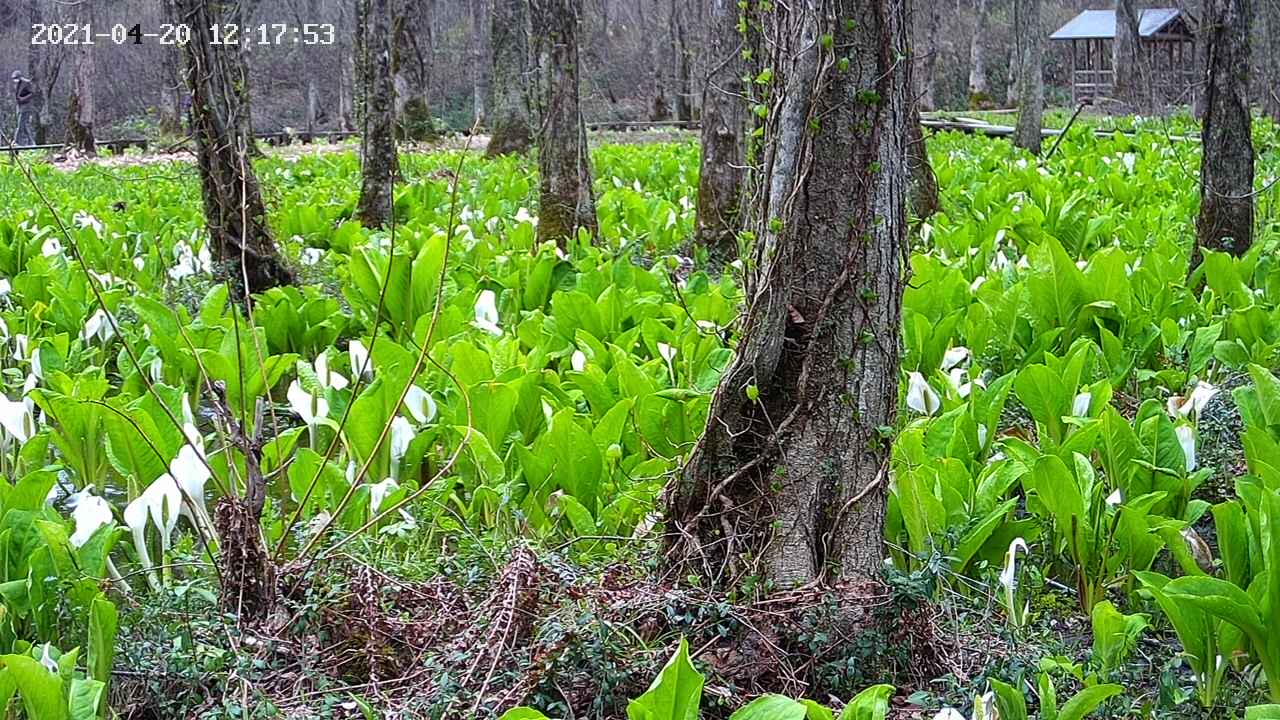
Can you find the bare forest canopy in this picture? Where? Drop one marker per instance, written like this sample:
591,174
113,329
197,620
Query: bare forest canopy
641,59
437,51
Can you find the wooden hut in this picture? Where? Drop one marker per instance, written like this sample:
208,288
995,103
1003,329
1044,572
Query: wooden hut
1167,39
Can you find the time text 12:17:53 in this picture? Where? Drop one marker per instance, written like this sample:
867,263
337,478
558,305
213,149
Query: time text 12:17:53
180,34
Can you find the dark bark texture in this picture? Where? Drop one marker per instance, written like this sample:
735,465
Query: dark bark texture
1269,10
788,483
379,162
1126,58
683,61
173,89
80,112
413,66
923,200
1226,166
482,80
509,41
566,198
925,55
979,86
233,207
1030,38
1201,8
724,130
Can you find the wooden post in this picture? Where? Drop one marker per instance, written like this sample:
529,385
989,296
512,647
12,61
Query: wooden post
1075,100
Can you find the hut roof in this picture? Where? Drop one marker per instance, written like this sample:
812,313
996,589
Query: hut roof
1101,24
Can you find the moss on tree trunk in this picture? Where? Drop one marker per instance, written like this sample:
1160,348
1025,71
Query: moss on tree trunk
566,198
234,211
788,483
1225,222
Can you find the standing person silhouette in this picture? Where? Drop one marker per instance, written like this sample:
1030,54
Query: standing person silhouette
24,95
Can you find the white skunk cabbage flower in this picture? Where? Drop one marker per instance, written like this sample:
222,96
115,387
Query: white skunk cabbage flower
47,659
954,356
189,262
487,313
51,246
1115,498
402,433
959,380
91,512
920,397
328,378
105,279
578,361
5,287
984,707
159,503
186,264
100,325
191,473
1080,406
156,369
948,713
85,220
17,418
311,256
1187,438
523,216
1009,581
305,405
1192,405
420,404
379,492
359,355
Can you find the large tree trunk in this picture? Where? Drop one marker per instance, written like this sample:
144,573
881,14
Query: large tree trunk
567,201
1201,59
979,86
379,163
412,66
81,111
482,75
346,95
1270,12
923,200
926,55
1030,37
1226,165
724,131
44,64
347,76
659,108
683,65
172,89
312,99
1126,57
509,40
233,205
788,483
